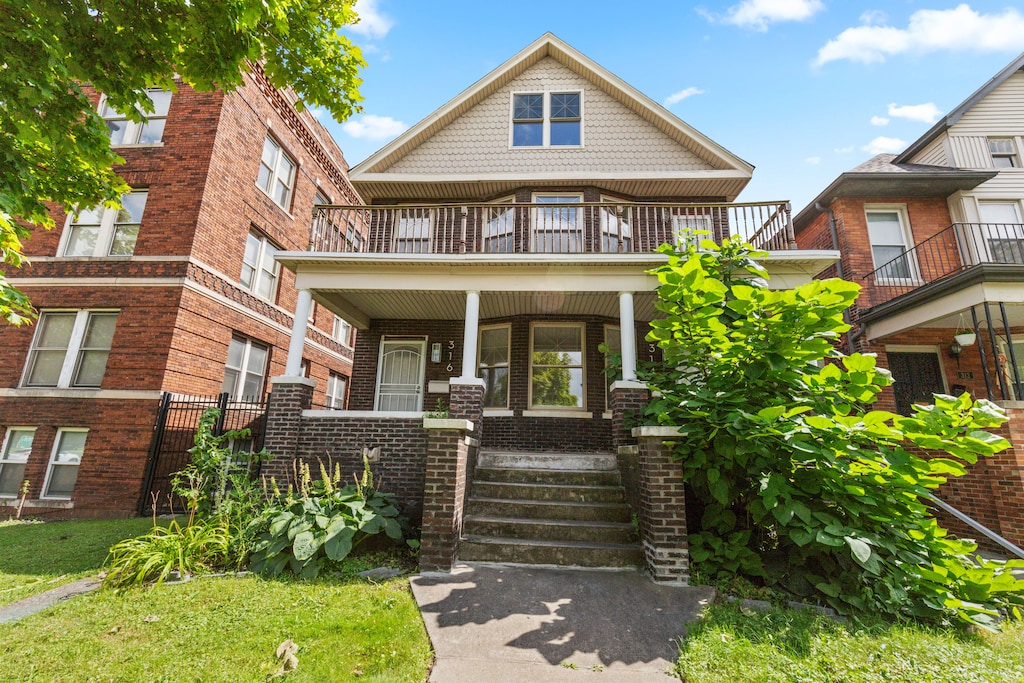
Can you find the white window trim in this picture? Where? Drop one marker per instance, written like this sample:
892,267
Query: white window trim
338,322
429,238
254,288
53,454
3,452
134,130
422,343
74,348
1015,142
908,243
546,123
583,367
105,238
286,207
338,380
508,353
236,395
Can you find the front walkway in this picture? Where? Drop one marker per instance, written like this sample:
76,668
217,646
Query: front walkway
525,624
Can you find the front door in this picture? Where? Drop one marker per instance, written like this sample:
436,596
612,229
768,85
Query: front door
400,375
917,376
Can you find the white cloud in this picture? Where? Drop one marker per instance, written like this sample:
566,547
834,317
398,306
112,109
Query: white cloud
960,28
372,23
757,14
884,145
682,95
879,121
372,127
874,16
813,161
926,113
844,150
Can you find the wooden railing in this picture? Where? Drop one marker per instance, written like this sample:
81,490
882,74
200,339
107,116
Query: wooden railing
544,227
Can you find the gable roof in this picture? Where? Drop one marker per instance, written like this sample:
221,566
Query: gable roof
950,119
724,162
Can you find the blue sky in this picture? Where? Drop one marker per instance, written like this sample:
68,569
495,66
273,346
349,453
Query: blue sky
802,89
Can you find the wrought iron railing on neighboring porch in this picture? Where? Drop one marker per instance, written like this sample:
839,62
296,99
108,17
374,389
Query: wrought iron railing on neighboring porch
561,225
954,249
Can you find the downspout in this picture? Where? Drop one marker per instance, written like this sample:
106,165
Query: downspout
854,334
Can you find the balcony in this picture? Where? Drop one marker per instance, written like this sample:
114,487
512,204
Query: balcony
959,248
561,225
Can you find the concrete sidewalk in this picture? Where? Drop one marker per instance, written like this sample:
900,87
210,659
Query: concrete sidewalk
37,603
523,624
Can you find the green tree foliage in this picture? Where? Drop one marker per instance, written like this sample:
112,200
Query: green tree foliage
54,147
799,482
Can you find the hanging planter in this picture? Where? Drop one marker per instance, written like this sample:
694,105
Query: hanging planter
965,338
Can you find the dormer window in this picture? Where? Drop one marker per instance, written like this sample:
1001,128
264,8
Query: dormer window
553,119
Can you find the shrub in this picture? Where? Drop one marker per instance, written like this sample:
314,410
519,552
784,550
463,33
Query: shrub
801,485
197,547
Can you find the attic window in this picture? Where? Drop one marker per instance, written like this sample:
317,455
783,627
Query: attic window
1003,153
547,119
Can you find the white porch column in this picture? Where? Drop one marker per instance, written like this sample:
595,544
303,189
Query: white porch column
627,332
293,367
470,335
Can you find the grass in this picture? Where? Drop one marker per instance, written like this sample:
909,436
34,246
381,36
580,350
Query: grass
37,557
735,645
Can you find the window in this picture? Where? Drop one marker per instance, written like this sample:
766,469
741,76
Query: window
558,229
1004,153
341,331
690,228
62,473
547,119
336,388
613,340
615,228
499,228
412,233
245,369
259,269
889,244
106,232
16,448
1004,233
556,366
124,131
494,364
70,349
277,173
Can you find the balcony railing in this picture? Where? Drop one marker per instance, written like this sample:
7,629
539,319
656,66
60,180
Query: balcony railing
955,249
553,227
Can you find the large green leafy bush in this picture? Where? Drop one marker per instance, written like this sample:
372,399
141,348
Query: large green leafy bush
800,484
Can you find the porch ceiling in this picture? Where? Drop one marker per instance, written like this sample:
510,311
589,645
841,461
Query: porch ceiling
944,311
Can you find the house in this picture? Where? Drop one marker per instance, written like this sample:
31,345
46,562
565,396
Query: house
508,237
935,235
175,297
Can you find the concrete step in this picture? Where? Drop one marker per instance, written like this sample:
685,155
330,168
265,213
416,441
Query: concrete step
548,529
548,461
522,475
542,509
554,492
562,553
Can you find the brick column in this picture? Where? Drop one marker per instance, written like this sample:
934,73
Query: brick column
662,509
289,396
444,491
627,397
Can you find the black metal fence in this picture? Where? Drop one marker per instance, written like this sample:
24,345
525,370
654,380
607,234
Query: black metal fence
177,421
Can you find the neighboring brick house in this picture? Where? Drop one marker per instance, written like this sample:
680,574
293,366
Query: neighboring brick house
508,236
935,235
178,292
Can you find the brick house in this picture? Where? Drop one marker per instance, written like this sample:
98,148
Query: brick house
935,235
508,235
178,292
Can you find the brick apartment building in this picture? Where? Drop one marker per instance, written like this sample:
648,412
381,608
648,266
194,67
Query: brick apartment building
935,235
178,292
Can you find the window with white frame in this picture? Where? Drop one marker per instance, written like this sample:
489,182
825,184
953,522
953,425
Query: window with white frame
259,269
613,340
616,231
412,231
124,131
557,379
245,369
62,472
277,173
553,119
690,226
557,229
1004,153
103,231
887,232
499,228
1003,230
70,349
337,385
493,364
341,331
17,446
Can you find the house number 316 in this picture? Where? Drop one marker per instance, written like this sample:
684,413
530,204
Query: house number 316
451,346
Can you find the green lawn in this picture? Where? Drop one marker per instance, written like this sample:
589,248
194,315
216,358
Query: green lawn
38,557
731,645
